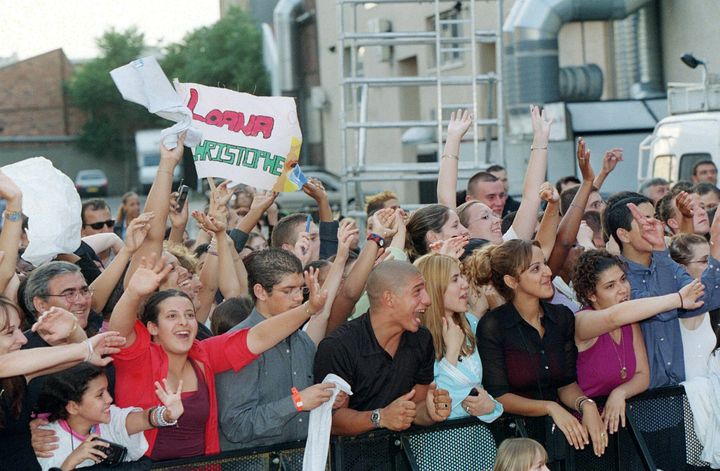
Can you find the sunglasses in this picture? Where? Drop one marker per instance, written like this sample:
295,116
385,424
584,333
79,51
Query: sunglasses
99,225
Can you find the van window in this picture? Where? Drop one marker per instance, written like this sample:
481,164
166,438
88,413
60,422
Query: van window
151,160
663,167
687,161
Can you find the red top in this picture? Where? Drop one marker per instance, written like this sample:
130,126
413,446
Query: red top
144,362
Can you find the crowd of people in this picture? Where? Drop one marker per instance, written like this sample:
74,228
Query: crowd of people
146,344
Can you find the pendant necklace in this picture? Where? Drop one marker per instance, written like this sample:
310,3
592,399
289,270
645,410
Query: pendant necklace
623,368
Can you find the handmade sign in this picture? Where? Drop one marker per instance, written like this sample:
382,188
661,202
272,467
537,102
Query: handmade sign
247,139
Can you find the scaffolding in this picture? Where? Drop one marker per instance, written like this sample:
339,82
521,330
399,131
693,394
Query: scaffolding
355,89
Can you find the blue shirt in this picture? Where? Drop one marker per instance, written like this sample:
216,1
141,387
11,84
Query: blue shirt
661,332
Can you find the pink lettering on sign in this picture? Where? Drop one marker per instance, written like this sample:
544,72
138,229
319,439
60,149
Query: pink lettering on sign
234,120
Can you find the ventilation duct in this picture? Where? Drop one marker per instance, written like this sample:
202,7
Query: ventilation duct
531,33
287,33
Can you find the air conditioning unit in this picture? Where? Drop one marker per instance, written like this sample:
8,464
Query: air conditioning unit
381,25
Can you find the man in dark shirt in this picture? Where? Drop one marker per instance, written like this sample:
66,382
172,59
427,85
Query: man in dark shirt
501,174
386,357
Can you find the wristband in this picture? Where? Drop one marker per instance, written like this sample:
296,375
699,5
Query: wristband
89,346
12,216
533,147
450,156
586,399
297,399
160,419
682,303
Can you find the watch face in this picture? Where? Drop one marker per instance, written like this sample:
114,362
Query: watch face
375,418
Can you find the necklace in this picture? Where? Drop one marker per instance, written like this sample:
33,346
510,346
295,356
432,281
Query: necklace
623,368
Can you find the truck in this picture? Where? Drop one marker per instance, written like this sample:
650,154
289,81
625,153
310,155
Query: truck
689,134
147,148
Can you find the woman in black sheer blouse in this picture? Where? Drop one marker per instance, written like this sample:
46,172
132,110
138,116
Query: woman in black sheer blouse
527,345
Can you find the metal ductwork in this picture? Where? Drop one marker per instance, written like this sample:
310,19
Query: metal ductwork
531,31
287,33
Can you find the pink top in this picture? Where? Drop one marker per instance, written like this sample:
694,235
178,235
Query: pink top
599,368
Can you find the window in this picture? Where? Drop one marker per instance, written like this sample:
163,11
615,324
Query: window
663,167
687,161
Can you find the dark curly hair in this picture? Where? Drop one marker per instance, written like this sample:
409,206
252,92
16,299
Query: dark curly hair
588,268
151,310
61,388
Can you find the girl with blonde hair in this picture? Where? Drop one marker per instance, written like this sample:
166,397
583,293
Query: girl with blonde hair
458,368
521,454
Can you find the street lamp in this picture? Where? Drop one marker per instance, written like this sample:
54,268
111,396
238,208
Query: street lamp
692,62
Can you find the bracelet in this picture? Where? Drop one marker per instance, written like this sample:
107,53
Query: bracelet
89,346
151,412
12,216
307,309
578,401
586,399
160,419
297,399
682,303
534,147
450,156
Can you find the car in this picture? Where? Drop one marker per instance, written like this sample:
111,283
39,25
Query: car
91,182
299,201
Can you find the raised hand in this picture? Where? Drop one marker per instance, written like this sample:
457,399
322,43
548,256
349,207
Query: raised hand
453,247
137,230
56,325
438,403
171,400
263,200
302,248
460,122
315,189
651,229
549,193
384,223
453,338
104,345
175,154
611,159
541,125
178,216
317,297
8,189
210,224
583,157
346,233
685,204
690,295
149,275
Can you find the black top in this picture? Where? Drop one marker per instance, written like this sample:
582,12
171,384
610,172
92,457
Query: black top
88,262
15,449
353,353
517,360
510,206
32,394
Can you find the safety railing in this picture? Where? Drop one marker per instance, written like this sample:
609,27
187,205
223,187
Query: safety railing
659,435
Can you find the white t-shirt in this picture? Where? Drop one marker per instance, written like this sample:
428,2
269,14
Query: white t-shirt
698,345
115,432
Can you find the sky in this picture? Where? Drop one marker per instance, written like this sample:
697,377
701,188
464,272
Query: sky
32,27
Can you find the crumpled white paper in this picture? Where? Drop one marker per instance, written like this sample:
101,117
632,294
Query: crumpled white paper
52,204
143,81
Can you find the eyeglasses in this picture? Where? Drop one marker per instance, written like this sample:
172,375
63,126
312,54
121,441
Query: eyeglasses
704,261
99,225
71,295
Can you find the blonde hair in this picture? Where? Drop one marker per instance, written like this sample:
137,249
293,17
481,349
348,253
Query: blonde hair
518,454
436,269
121,214
492,262
186,258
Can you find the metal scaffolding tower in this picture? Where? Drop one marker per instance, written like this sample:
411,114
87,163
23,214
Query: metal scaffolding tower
355,89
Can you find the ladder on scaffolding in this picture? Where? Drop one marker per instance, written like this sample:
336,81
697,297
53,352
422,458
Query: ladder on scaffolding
355,90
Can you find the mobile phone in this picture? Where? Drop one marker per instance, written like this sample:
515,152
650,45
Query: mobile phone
474,392
182,197
115,453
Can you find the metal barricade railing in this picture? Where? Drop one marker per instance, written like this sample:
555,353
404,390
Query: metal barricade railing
659,435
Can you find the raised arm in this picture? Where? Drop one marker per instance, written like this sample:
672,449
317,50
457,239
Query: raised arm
178,218
593,323
145,280
269,332
459,124
317,326
610,161
524,224
548,226
315,189
39,361
261,202
158,203
11,229
570,223
104,285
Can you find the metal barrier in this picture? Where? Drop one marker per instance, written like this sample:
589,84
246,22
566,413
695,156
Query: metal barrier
659,435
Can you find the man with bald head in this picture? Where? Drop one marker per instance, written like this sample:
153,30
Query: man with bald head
386,356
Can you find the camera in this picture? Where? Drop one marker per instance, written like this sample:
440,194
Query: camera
115,453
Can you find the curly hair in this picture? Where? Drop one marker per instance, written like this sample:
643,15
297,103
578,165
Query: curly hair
588,268
68,385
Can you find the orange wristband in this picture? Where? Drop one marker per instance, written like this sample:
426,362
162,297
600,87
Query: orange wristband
297,399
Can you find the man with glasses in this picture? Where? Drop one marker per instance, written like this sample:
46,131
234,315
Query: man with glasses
96,219
258,405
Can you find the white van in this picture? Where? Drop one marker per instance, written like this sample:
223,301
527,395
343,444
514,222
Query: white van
147,147
684,138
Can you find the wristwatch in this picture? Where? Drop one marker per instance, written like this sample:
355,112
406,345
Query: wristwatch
375,418
377,239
